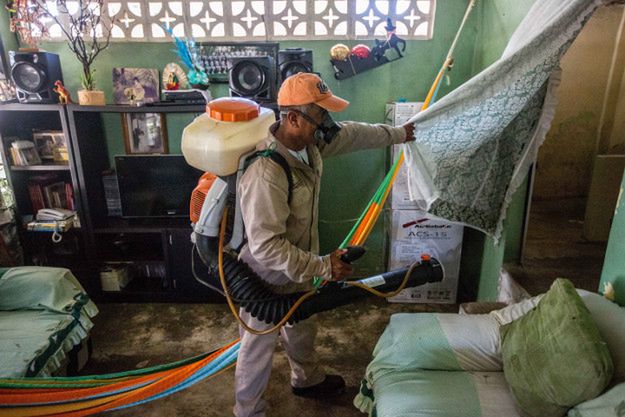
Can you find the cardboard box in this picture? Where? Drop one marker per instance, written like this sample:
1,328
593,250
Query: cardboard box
396,115
114,277
399,113
414,233
400,197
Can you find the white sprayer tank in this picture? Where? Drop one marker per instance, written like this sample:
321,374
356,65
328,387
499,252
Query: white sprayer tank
230,128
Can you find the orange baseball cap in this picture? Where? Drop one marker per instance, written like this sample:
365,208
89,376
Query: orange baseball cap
306,88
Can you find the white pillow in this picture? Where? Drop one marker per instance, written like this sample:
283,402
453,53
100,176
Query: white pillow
610,319
512,312
608,404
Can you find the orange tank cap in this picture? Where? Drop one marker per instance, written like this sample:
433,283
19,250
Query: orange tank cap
232,109
426,257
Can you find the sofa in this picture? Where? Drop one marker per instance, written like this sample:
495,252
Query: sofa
452,365
45,319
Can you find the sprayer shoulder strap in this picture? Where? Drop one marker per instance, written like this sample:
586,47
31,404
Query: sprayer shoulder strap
278,159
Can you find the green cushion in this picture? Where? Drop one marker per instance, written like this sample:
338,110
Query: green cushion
554,357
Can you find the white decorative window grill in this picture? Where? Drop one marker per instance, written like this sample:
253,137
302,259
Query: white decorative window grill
258,20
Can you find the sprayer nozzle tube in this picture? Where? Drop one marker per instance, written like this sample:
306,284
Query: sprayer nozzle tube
338,294
430,271
249,290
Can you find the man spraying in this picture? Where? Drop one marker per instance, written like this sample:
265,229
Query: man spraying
281,223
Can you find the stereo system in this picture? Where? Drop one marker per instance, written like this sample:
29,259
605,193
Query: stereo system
294,60
259,77
34,74
253,77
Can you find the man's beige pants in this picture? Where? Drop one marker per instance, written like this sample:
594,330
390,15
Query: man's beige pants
255,357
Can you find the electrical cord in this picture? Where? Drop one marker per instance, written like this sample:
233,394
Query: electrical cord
56,236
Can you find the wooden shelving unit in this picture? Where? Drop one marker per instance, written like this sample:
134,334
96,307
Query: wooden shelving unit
159,250
18,122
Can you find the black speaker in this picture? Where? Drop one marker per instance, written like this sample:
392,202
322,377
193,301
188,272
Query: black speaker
34,74
294,60
253,77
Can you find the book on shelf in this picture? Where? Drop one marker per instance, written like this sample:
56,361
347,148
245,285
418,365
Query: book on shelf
36,197
50,225
47,191
69,191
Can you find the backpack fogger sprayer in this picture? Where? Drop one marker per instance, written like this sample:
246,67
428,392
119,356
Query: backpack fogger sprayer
222,142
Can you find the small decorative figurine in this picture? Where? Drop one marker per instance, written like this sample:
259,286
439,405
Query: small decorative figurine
190,52
64,95
392,41
174,77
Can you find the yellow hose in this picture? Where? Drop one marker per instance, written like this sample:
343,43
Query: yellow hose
287,316
233,309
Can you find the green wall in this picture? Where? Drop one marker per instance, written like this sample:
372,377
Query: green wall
345,194
614,264
497,20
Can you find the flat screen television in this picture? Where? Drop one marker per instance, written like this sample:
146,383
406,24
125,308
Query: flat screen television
155,185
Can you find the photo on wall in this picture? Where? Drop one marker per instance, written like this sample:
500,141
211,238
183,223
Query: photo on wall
135,86
145,133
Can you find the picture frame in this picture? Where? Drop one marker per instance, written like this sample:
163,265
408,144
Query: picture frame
23,152
55,195
134,86
145,133
51,145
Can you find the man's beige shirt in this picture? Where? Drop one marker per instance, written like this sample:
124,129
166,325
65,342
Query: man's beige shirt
283,240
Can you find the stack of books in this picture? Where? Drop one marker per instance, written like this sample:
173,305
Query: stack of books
51,225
